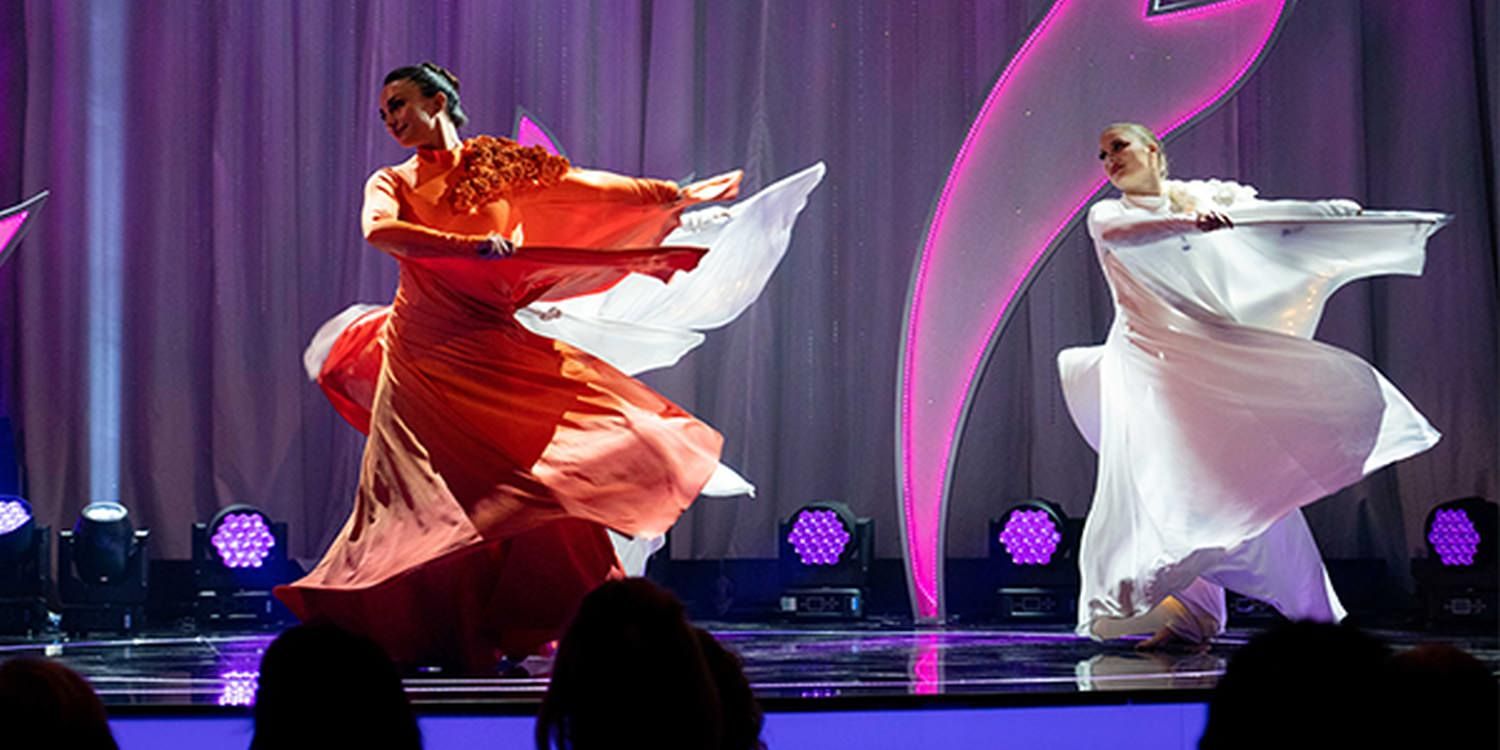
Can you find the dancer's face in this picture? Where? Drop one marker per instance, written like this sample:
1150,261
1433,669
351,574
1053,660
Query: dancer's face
412,119
1132,164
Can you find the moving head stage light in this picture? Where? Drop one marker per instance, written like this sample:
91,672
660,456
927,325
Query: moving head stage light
824,561
25,568
238,557
102,570
1459,578
1033,554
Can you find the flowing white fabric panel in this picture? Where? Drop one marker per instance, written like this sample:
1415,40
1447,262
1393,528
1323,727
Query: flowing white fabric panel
635,552
633,348
317,350
1215,415
641,323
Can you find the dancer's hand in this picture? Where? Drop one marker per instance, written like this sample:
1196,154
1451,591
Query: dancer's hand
495,247
1344,207
1208,221
697,221
724,187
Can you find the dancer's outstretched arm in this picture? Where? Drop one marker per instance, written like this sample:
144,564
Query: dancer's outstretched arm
599,185
581,185
1284,210
404,239
1109,224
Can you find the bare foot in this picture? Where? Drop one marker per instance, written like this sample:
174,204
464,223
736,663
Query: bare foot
1158,641
1167,639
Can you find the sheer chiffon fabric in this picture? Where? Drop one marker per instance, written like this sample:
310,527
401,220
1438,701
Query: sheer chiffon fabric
1215,416
509,471
496,457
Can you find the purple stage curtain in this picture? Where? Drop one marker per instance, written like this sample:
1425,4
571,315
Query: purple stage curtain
247,128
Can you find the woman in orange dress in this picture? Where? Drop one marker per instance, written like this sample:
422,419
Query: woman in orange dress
496,457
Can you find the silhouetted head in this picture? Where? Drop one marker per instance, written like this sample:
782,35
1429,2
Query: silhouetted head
45,704
741,714
1449,697
629,670
321,686
1303,684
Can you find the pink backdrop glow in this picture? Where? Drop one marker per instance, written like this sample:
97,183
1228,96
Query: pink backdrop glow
1022,176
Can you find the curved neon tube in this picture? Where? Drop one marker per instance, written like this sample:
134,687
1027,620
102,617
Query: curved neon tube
1017,184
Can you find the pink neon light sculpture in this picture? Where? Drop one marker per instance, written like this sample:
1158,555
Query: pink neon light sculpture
927,666
10,226
1019,181
15,220
530,132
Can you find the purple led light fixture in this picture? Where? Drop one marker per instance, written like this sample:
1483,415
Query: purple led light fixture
1030,537
239,688
243,540
13,515
1454,537
1019,181
819,537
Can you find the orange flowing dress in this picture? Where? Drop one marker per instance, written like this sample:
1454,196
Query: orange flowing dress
497,458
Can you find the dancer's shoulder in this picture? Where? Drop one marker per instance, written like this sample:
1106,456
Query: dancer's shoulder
405,171
1104,209
1104,212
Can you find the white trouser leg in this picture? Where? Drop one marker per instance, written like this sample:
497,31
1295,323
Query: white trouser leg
1282,567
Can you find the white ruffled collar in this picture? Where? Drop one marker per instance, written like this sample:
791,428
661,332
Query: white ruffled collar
1153,203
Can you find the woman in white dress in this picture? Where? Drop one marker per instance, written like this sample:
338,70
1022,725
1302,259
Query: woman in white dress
1215,415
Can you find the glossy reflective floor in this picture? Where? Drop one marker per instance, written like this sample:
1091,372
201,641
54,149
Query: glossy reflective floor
790,668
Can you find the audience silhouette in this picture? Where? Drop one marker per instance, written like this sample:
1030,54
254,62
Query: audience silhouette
323,687
632,672
1316,685
43,704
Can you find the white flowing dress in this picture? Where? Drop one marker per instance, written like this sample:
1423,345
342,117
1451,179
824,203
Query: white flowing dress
1215,416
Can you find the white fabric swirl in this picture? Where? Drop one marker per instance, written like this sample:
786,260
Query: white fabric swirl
1215,415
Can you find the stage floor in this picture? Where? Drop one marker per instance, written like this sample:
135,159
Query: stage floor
790,668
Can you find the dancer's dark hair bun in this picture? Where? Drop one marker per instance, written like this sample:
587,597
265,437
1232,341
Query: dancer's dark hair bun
431,79
442,71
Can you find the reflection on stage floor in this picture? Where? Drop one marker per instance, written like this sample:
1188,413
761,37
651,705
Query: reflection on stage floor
790,668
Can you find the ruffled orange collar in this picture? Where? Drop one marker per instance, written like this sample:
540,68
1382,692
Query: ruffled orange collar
493,169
